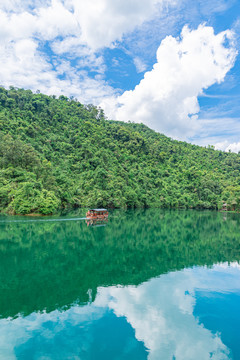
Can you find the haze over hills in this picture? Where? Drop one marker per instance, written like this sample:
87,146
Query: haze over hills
56,152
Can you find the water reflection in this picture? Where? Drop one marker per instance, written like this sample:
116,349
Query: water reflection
162,312
96,222
144,286
159,319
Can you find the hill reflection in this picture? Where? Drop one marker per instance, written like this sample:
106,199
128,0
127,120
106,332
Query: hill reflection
49,265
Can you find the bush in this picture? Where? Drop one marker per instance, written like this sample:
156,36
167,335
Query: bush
31,198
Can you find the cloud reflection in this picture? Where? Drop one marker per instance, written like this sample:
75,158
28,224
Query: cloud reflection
157,315
161,312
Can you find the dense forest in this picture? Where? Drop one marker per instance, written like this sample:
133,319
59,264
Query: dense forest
57,153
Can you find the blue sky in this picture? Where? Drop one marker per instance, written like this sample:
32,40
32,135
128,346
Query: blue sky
171,64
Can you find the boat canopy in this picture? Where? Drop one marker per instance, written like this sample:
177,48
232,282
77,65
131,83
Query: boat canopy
97,210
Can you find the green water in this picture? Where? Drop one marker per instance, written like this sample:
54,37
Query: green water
148,284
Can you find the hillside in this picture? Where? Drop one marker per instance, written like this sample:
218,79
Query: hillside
56,152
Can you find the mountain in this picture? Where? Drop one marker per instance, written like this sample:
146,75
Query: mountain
57,153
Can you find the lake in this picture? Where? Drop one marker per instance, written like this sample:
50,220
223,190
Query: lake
148,284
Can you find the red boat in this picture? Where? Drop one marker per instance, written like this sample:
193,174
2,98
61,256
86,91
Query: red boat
97,214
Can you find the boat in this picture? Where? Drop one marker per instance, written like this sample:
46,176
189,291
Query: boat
97,214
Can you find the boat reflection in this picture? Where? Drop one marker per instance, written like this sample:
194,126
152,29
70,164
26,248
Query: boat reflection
96,222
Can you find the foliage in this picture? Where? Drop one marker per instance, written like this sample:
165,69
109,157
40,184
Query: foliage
29,197
73,157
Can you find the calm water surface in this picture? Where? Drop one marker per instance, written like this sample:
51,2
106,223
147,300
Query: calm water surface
148,284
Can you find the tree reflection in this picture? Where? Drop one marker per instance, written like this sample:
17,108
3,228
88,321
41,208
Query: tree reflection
48,265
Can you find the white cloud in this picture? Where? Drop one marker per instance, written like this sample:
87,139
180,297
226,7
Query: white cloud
25,63
71,30
83,56
226,146
140,66
56,20
103,22
166,98
235,147
96,23
221,145
221,132
18,6
217,130
45,23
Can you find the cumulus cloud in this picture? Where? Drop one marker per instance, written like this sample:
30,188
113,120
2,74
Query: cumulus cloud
23,65
25,62
105,21
96,23
44,23
166,99
52,45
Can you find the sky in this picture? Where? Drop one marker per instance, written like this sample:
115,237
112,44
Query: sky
173,65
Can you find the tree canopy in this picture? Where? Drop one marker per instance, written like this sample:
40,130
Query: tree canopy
57,153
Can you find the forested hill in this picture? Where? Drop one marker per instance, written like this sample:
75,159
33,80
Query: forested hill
56,152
